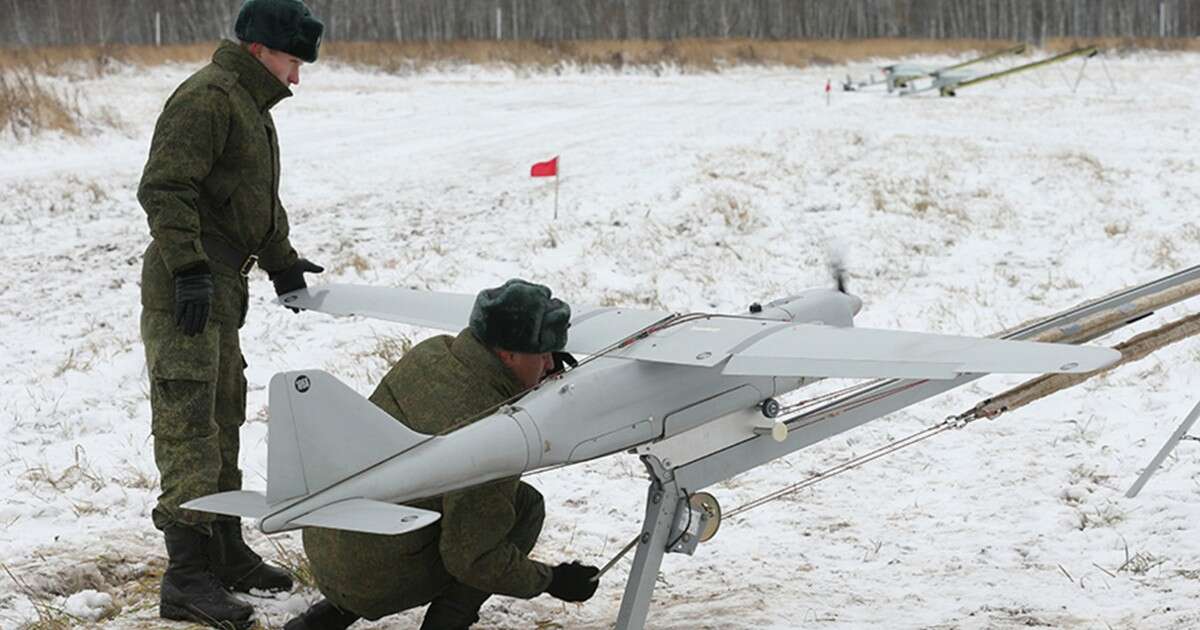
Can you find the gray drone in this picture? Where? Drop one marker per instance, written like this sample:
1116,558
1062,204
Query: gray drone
694,395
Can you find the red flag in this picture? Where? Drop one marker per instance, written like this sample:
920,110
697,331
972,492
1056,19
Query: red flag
827,86
548,168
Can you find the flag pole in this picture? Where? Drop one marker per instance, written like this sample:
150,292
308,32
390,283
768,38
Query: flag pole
557,166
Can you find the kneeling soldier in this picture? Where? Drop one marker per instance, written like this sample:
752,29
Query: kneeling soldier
481,545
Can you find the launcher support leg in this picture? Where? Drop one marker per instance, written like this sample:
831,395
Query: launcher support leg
1080,76
662,504
1174,440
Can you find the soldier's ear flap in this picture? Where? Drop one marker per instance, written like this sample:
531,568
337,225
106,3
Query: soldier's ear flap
308,41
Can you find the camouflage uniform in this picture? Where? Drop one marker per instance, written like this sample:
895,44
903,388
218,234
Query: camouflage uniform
212,177
481,544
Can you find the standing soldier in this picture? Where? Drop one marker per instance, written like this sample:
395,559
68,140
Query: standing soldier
210,192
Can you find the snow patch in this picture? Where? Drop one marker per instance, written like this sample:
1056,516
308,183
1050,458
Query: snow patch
88,605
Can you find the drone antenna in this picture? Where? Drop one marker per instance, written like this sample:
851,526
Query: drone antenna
837,269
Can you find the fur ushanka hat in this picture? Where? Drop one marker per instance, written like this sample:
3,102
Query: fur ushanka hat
520,316
285,25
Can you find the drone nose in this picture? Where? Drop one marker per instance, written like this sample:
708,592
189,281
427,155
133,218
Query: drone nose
854,301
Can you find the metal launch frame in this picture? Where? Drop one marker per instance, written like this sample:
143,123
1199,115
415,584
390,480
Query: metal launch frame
672,524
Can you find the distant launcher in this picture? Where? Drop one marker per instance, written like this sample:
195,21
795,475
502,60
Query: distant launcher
901,75
950,82
902,78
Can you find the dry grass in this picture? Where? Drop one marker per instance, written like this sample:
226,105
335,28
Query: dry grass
73,362
371,364
1139,563
49,617
29,107
1108,515
692,54
1191,232
134,477
916,197
1086,163
95,61
1116,229
389,349
1165,254
42,477
627,298
1124,45
738,214
688,54
295,562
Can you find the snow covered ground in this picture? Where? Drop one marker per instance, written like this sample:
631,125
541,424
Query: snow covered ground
693,192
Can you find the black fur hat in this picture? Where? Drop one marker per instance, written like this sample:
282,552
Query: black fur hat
285,25
520,316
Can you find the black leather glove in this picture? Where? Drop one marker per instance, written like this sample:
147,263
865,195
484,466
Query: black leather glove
292,278
193,299
573,582
562,361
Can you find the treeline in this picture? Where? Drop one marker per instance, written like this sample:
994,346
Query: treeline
67,22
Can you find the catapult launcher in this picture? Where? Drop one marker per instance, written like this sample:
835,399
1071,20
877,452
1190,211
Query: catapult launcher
905,79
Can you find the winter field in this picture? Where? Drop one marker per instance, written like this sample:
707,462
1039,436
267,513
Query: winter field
685,191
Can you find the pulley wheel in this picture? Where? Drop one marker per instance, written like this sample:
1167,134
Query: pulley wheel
707,503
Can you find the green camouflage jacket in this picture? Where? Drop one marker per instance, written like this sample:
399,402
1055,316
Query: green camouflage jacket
440,383
213,169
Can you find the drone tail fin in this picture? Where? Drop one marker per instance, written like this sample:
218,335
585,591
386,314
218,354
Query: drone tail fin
322,431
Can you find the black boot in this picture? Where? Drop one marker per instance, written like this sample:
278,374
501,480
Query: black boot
322,615
455,608
236,564
190,592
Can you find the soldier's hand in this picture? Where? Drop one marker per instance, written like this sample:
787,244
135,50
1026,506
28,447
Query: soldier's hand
573,582
193,299
292,278
562,361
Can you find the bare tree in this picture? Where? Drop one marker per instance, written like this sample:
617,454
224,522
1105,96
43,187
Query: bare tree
42,22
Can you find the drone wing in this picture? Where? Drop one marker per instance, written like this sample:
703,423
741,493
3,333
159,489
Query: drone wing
753,347
592,327
826,351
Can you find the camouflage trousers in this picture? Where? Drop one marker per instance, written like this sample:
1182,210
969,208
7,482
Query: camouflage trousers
197,408
374,576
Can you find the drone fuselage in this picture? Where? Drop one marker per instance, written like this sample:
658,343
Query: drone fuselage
610,403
